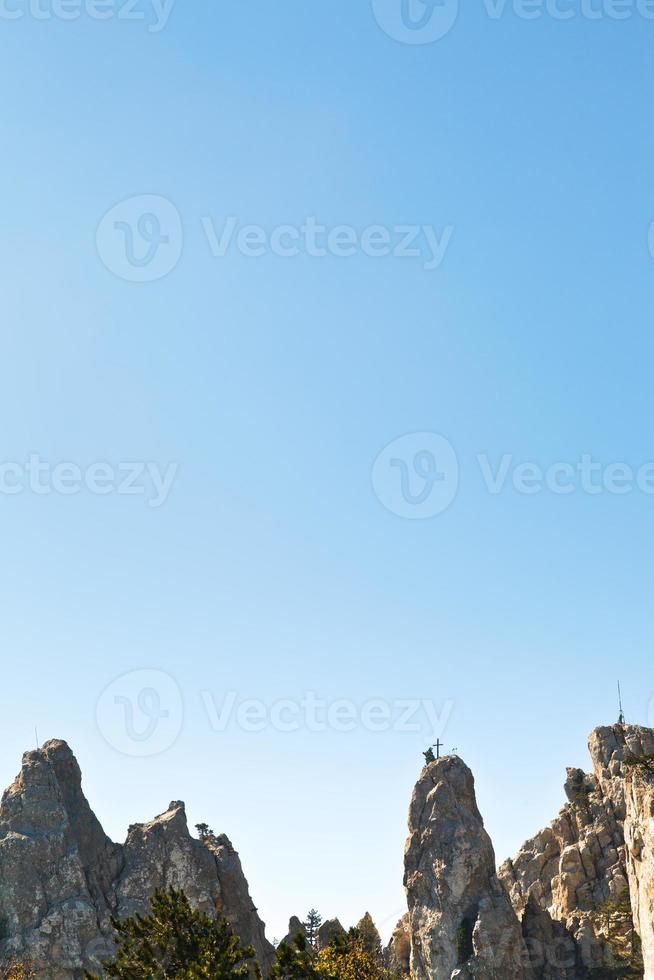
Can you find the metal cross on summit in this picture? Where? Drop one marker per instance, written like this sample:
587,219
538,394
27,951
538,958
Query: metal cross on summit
429,754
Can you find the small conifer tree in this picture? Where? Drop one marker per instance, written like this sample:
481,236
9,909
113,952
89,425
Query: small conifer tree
178,942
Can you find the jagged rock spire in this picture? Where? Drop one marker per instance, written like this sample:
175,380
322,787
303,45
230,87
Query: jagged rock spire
461,920
61,877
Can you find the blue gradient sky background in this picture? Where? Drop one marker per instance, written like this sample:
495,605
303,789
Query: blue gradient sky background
273,569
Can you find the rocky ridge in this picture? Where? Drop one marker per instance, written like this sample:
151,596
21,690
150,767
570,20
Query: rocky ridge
581,891
571,884
61,877
577,901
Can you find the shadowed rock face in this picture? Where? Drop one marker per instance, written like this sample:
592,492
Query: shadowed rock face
460,918
57,867
61,877
398,951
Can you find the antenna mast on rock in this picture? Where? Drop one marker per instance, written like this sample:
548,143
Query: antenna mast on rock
621,718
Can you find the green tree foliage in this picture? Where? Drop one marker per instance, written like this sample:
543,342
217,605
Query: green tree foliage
312,925
204,830
640,763
294,961
370,937
623,958
345,958
178,942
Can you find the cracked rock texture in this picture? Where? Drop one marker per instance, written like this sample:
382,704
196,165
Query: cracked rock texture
461,921
398,951
574,884
61,877
639,837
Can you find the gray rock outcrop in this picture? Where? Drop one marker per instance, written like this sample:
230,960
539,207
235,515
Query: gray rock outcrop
330,929
398,952
295,925
61,877
639,839
327,931
574,884
461,921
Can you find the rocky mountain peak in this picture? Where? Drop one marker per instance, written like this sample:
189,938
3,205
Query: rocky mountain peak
62,877
576,885
460,918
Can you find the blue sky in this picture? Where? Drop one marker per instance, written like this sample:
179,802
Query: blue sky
275,567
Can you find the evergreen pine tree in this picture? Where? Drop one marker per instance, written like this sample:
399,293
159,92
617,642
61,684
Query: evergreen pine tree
370,937
294,961
176,942
312,925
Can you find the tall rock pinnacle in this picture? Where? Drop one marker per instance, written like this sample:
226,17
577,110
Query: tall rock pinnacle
462,923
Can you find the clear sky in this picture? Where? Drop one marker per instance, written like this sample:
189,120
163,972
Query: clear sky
283,563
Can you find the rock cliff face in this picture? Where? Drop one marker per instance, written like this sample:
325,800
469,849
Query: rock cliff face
575,902
573,885
398,951
61,877
639,838
461,921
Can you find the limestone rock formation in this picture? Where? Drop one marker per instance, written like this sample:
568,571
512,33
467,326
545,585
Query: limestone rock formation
461,920
57,867
639,838
61,877
330,929
327,931
574,883
295,925
398,952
